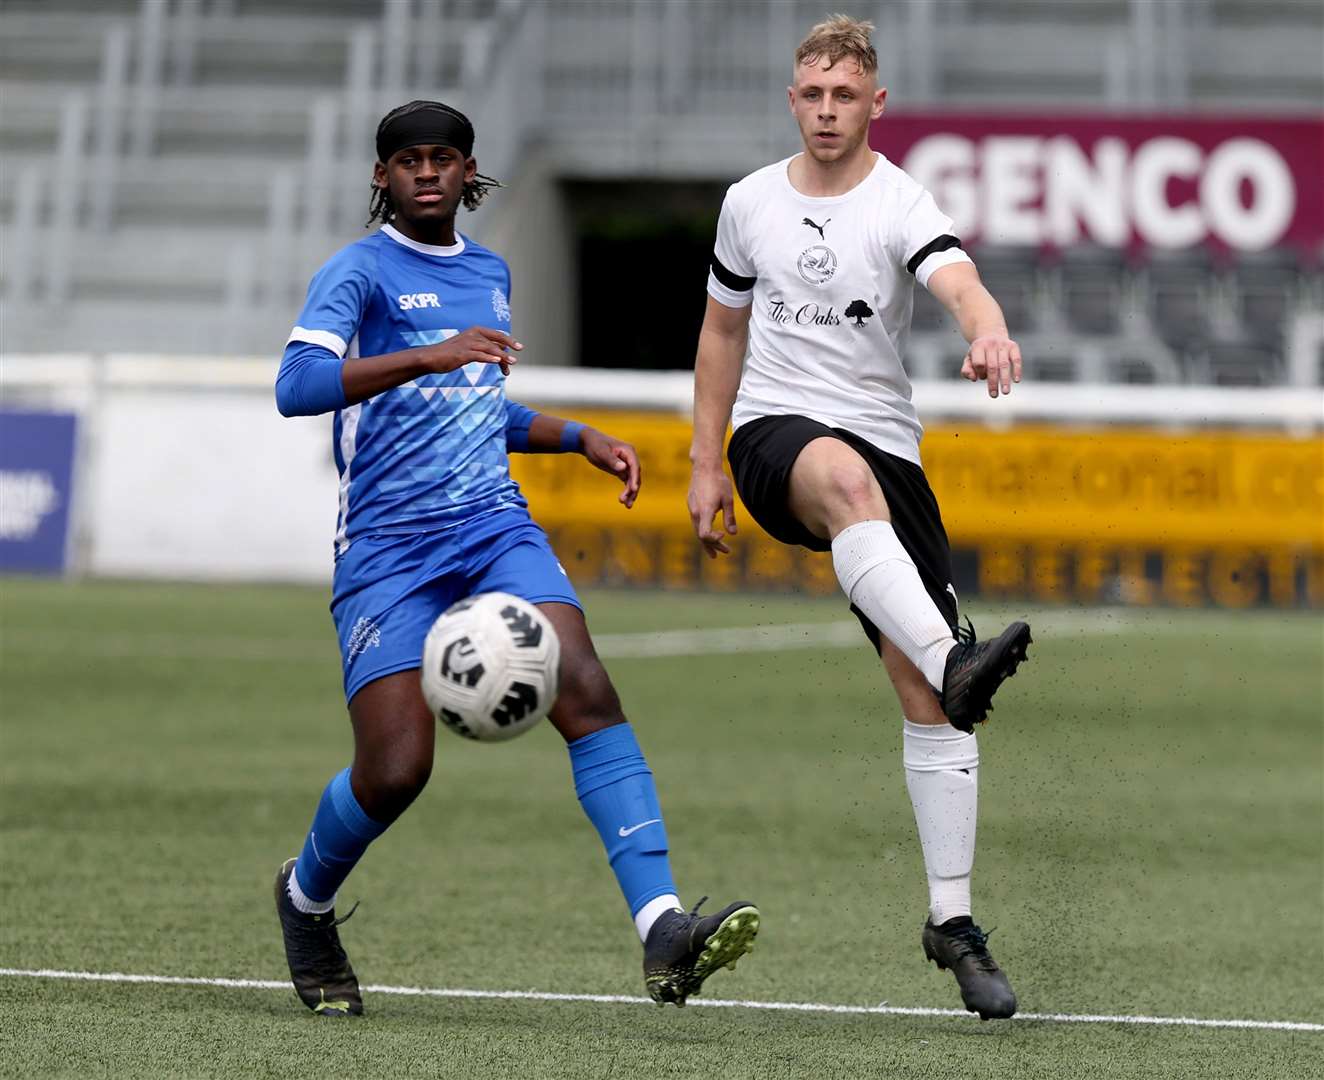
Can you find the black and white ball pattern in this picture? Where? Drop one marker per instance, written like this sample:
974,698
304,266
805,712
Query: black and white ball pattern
490,667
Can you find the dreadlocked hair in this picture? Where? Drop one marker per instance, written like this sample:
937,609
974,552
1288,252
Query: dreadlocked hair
472,194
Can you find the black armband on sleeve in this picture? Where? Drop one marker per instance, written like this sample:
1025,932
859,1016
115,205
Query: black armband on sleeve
942,243
734,282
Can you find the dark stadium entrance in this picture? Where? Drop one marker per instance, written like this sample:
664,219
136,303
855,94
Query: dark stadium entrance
643,251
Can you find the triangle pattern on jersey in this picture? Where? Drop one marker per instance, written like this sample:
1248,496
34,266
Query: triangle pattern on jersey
474,373
418,338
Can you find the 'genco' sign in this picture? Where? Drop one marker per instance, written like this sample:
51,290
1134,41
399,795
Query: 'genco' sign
1042,181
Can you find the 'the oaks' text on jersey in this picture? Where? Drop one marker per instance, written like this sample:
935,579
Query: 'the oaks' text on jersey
831,281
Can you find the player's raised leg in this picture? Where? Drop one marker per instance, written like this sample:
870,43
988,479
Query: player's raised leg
942,777
835,494
393,746
615,787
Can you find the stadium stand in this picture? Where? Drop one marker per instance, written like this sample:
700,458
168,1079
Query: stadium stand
175,168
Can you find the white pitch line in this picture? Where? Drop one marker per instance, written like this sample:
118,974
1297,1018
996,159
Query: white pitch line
632,645
625,999
841,634
729,640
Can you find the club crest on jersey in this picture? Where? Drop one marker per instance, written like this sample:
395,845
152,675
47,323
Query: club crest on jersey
500,306
817,264
409,301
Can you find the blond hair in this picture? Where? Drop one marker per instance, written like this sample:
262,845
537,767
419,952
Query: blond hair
838,38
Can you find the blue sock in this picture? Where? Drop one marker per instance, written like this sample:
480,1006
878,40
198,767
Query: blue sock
615,788
340,835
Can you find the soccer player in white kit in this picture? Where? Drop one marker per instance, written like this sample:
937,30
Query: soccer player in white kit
811,286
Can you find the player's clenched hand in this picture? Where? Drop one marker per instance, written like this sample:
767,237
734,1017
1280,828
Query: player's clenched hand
994,357
711,491
480,343
616,457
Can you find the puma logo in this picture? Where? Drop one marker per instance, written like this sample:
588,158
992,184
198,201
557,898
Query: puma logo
814,225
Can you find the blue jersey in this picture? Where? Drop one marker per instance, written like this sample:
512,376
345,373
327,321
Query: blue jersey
430,454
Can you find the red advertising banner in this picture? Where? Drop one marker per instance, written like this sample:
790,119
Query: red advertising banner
1245,183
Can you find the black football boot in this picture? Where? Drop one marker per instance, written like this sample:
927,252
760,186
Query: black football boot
975,669
959,946
319,968
684,948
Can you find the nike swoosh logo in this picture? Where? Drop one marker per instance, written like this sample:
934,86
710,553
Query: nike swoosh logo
623,831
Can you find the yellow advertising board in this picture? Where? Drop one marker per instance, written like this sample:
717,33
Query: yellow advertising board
1052,513
1128,486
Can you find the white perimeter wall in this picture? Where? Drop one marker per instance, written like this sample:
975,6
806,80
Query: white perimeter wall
186,470
182,484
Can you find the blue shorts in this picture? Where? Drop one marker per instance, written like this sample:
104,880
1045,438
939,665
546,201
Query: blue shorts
389,590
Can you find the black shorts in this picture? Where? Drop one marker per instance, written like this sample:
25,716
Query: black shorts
762,453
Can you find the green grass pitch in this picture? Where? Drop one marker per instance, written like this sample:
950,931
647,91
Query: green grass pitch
1151,842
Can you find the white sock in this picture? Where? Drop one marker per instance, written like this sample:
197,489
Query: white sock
881,580
942,776
647,916
304,903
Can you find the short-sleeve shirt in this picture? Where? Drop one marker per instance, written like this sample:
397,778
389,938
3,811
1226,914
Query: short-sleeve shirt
431,454
831,281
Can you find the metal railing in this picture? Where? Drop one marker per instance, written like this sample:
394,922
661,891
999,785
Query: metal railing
637,86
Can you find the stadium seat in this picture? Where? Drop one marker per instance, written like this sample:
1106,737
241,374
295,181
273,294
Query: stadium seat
929,314
1179,286
1090,283
1234,363
1267,285
1012,275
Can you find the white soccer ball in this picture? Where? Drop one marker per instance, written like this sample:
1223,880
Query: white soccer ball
490,667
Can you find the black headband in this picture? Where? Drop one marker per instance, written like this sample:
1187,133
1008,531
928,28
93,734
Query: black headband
434,125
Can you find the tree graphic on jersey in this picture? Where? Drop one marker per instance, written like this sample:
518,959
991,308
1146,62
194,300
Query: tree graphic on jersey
859,311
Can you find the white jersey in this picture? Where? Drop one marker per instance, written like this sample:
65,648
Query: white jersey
832,283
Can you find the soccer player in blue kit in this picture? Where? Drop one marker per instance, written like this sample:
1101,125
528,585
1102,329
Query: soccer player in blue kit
405,336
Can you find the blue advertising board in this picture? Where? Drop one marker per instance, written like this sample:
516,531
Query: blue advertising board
36,489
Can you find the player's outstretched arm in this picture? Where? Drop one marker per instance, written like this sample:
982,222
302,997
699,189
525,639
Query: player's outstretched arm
716,381
529,432
992,355
366,376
